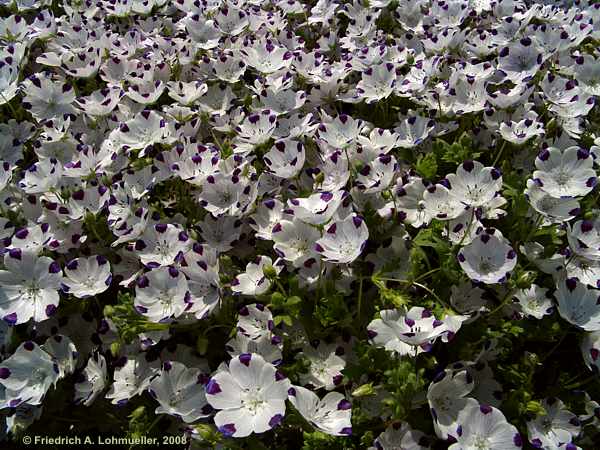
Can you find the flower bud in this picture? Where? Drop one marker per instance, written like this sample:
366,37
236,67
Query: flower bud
277,298
137,412
201,345
525,279
364,390
269,272
115,347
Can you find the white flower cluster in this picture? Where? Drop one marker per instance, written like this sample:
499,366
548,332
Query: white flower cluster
186,159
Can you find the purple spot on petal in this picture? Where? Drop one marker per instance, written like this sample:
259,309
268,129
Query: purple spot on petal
212,387
518,440
50,310
245,359
275,420
227,429
344,405
11,319
485,409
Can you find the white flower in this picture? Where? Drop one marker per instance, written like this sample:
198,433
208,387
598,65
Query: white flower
468,299
409,203
266,56
413,130
29,288
484,427
250,395
521,60
255,321
325,369
132,377
401,436
590,349
446,398
407,333
377,83
567,173
85,277
254,280
295,241
441,203
489,258
28,374
534,302
556,427
141,132
555,209
331,414
578,304
343,241
179,391
48,99
520,132
255,130
377,175
286,158
341,131
162,294
584,238
270,347
584,270
267,214
92,381
475,184
162,244
317,208
63,353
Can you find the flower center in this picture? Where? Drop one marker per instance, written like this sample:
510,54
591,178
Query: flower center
38,376
562,178
480,443
253,400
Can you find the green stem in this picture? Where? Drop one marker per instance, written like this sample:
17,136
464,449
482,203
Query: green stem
467,230
360,292
547,355
12,109
426,274
422,286
499,153
154,422
281,288
503,303
581,383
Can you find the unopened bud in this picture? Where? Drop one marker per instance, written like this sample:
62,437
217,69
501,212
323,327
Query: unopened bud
115,347
138,412
205,431
277,298
201,345
364,390
269,272
536,408
525,279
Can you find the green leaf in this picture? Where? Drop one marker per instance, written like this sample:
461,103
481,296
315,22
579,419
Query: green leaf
427,166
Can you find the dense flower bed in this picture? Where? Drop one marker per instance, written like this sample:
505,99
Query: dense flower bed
284,224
